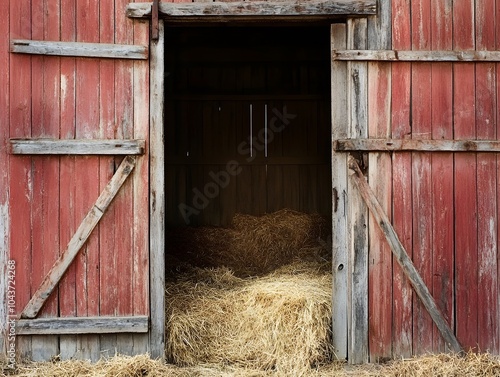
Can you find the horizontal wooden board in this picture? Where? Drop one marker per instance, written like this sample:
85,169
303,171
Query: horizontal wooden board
82,325
402,145
76,147
79,49
417,56
256,9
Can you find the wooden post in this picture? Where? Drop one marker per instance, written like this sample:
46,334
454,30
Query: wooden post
157,197
402,257
340,244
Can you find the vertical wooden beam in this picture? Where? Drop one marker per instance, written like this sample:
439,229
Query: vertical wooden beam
421,171
157,196
340,246
487,202
357,227
401,175
4,178
465,174
442,169
141,188
67,286
20,187
380,176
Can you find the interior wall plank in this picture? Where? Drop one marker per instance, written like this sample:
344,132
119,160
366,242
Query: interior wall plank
67,286
487,221
466,301
21,188
442,169
497,31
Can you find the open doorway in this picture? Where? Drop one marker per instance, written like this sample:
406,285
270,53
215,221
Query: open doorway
248,196
247,118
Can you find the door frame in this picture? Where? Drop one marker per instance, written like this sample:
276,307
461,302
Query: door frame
350,337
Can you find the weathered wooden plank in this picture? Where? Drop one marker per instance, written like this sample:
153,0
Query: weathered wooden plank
157,196
417,55
20,189
421,82
44,204
465,172
76,147
111,249
402,193
487,202
357,227
140,277
79,49
79,239
402,256
380,174
82,325
257,8
417,145
4,180
67,287
442,168
340,245
124,216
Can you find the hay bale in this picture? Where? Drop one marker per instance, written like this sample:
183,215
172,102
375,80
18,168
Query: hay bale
253,245
277,322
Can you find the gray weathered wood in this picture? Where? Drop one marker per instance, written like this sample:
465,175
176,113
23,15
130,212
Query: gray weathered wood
402,256
357,227
206,10
416,56
79,49
79,238
82,325
76,147
340,245
157,196
407,145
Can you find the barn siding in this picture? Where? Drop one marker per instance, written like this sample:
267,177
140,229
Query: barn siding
445,206
49,196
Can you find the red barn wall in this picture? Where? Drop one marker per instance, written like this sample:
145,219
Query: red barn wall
44,199
444,206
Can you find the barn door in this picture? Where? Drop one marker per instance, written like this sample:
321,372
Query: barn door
78,182
420,129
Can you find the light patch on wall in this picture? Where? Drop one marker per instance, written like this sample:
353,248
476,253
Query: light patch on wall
4,234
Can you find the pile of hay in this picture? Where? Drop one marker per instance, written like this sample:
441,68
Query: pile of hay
278,322
252,245
472,365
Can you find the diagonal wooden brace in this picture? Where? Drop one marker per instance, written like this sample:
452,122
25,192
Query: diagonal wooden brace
402,257
79,238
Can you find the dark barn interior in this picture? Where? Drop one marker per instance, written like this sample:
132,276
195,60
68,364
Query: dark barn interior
247,122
